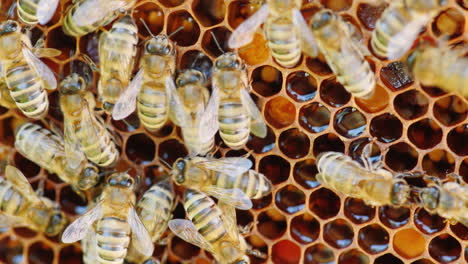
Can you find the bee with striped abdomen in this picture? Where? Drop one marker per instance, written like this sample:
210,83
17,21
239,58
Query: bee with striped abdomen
228,179
26,76
47,150
116,222
194,111
117,51
213,228
441,67
400,24
237,115
374,185
86,16
21,206
342,54
285,29
32,12
148,90
82,130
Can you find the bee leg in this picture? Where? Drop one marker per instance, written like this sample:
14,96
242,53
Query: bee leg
256,253
163,241
244,230
454,177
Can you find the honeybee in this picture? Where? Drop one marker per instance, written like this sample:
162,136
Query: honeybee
86,16
238,115
82,130
194,111
449,199
154,209
441,67
373,184
117,50
21,206
342,55
228,179
400,24
213,228
26,76
285,29
47,150
116,220
148,88
32,12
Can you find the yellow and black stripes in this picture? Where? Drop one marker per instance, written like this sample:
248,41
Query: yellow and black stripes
234,123
284,41
113,237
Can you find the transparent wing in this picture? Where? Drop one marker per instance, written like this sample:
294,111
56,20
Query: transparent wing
73,152
126,103
229,217
79,228
17,178
92,11
141,238
187,231
407,35
231,166
178,114
88,245
45,10
258,126
233,197
309,44
209,121
41,69
46,52
244,33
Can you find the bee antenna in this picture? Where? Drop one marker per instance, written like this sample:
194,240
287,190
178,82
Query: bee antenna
199,55
245,48
11,10
90,62
216,42
175,32
165,163
146,26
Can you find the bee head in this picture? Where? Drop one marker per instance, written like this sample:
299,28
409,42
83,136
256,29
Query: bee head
229,61
56,222
120,180
430,197
9,26
190,77
321,18
72,84
178,171
159,45
89,178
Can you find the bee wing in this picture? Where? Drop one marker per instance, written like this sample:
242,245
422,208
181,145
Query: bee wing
141,238
229,217
231,166
187,231
177,110
258,126
91,240
233,197
79,228
17,178
244,33
408,35
7,221
309,44
126,103
45,10
40,68
92,11
73,152
209,120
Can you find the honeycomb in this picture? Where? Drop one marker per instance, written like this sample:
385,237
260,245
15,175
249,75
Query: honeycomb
308,112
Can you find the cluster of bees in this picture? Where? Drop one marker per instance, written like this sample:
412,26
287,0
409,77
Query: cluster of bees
118,227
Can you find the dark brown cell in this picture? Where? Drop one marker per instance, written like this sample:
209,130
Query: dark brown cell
456,140
190,32
266,80
304,173
40,253
328,142
280,112
369,13
373,239
11,251
262,145
349,122
290,199
356,147
318,66
197,60
301,86
305,228
428,223
450,110
209,43
24,232
438,163
314,117
411,104
286,252
27,167
324,203
56,39
319,254
238,11
171,150
209,13
140,149
358,211
394,217
129,124
294,144
460,231
338,233
153,16
262,202
333,93
386,128
396,76
271,224
444,248
388,259
401,157
425,133
422,261
275,168
183,249
353,256
70,255
449,23
71,202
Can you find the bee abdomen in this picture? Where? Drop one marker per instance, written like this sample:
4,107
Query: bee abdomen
255,185
98,146
113,237
191,137
234,124
152,106
284,42
26,10
71,29
11,202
